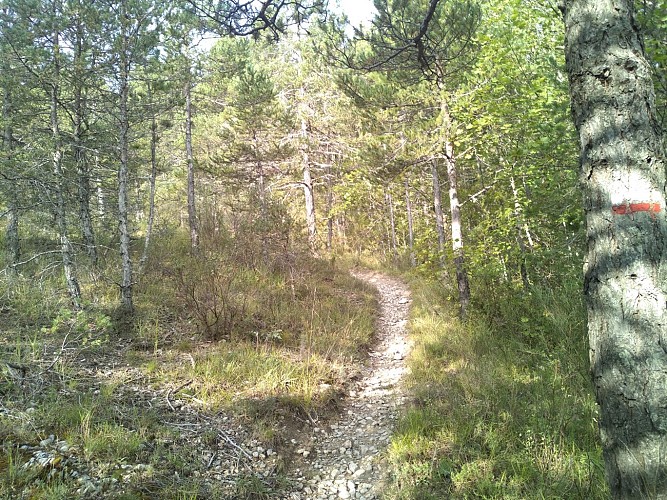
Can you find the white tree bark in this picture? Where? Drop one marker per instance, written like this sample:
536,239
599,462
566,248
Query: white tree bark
192,210
455,212
439,215
411,237
308,191
123,167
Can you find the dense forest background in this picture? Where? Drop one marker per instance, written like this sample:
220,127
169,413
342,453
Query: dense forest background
179,178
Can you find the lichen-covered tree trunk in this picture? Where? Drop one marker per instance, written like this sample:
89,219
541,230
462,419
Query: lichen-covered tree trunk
623,176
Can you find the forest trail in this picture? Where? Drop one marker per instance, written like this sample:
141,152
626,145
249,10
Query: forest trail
343,459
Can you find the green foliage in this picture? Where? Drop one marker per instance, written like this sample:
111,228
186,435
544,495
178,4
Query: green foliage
502,404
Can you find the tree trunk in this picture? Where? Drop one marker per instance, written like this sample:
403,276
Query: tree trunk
81,159
263,209
519,226
411,237
12,234
56,162
151,180
392,226
439,215
623,176
123,168
308,192
192,212
455,212
330,219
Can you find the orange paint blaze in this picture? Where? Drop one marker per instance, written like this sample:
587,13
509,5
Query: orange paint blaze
629,208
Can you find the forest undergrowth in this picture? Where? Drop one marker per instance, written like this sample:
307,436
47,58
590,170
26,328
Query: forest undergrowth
93,404
502,404
265,338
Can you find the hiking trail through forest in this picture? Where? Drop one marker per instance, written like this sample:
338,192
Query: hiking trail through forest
334,458
343,459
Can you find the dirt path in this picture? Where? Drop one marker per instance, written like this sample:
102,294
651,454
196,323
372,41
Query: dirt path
340,459
344,459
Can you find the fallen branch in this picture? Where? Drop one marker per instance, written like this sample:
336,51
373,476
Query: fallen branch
229,440
174,391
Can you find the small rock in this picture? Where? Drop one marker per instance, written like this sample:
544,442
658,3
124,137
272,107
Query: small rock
358,473
47,442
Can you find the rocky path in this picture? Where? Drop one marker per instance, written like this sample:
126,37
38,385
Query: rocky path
344,459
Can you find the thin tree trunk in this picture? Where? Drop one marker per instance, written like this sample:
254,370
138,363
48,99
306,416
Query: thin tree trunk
81,159
308,192
411,237
330,219
518,216
392,227
101,198
151,180
439,215
123,169
12,234
192,211
455,211
623,176
61,216
261,192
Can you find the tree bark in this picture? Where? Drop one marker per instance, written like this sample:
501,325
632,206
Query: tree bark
439,215
392,226
411,237
151,180
81,159
519,226
192,211
123,168
56,162
12,234
330,199
308,192
462,282
623,177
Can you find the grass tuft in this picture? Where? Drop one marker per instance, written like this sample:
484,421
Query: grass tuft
502,405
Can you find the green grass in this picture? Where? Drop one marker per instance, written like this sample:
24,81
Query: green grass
502,405
290,329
